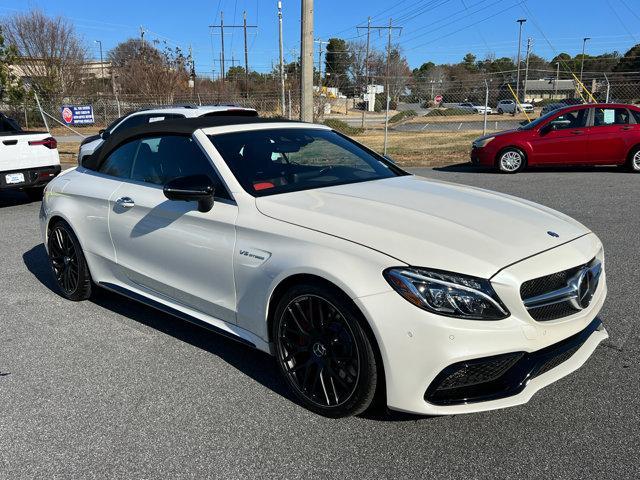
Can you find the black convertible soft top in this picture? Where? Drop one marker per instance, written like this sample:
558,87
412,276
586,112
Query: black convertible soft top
178,126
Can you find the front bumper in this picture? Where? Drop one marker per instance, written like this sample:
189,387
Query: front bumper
484,156
417,346
33,177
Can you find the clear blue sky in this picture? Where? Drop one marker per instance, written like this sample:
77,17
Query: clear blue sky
438,30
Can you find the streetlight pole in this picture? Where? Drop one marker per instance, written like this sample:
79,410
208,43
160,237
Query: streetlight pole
555,94
584,42
99,42
520,21
282,100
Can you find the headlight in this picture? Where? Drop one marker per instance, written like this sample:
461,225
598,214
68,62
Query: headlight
482,142
449,294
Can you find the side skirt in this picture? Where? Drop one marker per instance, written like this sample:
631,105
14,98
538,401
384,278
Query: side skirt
174,312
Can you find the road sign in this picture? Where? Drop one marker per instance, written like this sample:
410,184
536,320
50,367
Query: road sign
77,114
438,99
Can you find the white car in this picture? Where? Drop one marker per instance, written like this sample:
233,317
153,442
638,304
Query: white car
150,115
474,108
358,277
510,106
28,160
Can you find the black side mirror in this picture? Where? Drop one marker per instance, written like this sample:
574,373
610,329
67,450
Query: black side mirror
195,188
104,134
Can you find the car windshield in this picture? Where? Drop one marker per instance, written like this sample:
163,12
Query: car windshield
267,162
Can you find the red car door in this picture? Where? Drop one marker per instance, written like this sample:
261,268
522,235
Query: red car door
561,140
610,136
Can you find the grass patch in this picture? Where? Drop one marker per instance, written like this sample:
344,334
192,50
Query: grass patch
342,127
446,112
402,115
422,149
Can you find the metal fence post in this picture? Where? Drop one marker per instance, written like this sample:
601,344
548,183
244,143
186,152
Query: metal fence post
608,88
486,106
44,119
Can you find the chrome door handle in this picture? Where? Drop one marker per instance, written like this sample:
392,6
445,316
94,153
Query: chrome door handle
125,202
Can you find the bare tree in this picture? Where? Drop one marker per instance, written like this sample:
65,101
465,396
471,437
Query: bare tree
51,54
141,68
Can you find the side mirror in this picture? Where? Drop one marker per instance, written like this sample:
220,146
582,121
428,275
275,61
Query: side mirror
104,134
195,188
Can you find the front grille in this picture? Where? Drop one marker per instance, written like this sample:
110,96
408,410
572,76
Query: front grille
547,284
552,312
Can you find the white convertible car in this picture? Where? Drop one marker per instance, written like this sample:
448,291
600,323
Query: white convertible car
361,279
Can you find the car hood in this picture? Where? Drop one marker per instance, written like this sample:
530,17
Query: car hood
495,134
428,223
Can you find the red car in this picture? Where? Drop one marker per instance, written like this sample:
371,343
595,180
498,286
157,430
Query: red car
591,134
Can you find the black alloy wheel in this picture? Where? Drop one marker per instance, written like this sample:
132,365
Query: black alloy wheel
323,352
68,263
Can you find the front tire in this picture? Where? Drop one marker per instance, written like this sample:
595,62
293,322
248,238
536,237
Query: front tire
68,263
633,164
511,160
323,351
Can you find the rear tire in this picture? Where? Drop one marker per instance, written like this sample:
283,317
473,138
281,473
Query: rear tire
34,194
68,263
323,352
511,160
633,163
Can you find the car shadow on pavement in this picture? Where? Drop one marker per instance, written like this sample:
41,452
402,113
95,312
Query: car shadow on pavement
13,199
256,364
468,167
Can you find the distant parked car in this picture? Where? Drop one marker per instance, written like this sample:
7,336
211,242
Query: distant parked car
551,107
475,108
28,160
510,106
588,134
150,115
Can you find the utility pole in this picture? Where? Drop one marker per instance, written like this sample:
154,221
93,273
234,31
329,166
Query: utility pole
142,32
366,72
320,45
584,42
244,26
306,61
526,71
387,84
555,93
192,73
282,99
520,21
390,28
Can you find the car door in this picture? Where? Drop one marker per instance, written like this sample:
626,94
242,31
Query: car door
169,248
610,135
562,139
93,192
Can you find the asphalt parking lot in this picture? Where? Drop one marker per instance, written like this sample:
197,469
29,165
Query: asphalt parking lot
112,389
